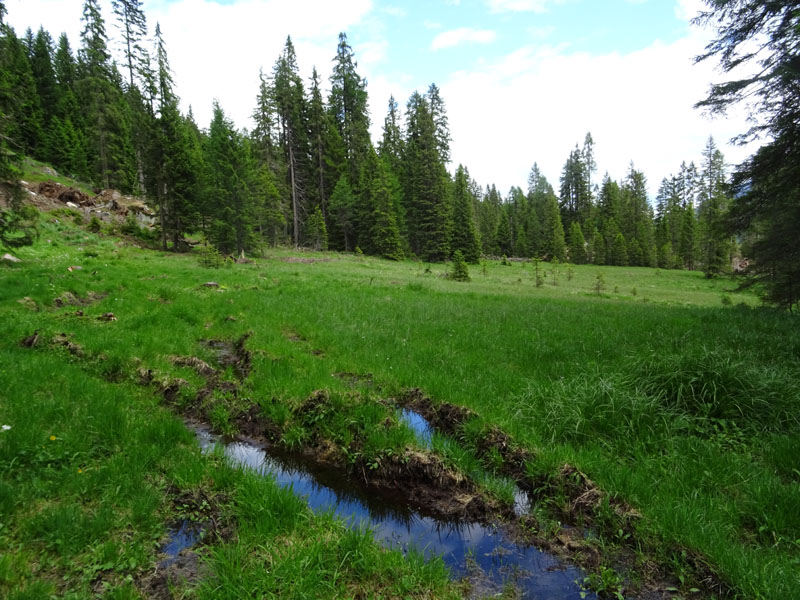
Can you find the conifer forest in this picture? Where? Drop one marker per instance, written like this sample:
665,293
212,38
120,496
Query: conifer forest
309,174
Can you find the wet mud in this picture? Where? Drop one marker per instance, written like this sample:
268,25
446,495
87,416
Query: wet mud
70,299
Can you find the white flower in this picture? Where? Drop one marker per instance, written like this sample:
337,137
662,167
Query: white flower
5,427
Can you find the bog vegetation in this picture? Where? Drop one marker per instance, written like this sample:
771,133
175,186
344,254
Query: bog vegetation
609,364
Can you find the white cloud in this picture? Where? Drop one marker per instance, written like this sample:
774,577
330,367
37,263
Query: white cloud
689,9
462,35
395,11
538,6
536,103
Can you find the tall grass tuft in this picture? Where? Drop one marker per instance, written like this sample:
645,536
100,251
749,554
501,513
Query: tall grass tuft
716,384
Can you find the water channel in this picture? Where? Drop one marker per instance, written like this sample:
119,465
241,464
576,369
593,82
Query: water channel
472,550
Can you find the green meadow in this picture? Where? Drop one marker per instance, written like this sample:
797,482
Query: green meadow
675,394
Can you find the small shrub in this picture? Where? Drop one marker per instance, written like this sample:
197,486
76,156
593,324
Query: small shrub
460,271
599,284
726,300
537,273
210,258
505,262
94,225
131,225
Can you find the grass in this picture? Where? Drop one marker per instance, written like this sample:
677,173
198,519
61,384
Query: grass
679,402
33,171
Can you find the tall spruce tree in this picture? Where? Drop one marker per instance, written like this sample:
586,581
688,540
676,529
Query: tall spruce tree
230,184
326,147
714,203
177,169
342,208
553,244
348,104
577,244
425,184
765,208
290,103
465,234
133,28
101,96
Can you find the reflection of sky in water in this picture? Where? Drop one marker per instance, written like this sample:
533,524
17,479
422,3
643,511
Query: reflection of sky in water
181,538
538,575
417,423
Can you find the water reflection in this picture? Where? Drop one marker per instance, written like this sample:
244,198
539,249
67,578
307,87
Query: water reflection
463,546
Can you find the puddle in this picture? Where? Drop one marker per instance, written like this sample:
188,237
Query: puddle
423,431
185,536
466,548
419,425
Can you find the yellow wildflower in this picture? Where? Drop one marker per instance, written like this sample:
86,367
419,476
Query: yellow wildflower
52,438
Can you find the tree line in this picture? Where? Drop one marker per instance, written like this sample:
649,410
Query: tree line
309,173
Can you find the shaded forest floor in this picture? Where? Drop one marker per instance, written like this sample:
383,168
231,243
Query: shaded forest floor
658,415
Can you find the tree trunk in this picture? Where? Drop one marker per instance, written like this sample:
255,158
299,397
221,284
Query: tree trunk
295,220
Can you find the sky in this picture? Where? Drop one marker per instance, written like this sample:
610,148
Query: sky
523,81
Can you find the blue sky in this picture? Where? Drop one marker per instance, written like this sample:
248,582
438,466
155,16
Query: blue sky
523,80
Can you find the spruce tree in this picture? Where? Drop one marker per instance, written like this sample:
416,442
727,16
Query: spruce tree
17,222
390,147
465,235
133,27
712,210
385,237
20,103
290,103
553,245
576,198
619,251
100,94
316,234
342,208
177,169
460,271
349,109
326,147
598,248
502,237
577,244
762,38
230,183
426,185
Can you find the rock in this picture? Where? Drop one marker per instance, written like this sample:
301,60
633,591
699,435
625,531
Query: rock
211,284
29,303
12,259
109,316
30,341
71,205
49,171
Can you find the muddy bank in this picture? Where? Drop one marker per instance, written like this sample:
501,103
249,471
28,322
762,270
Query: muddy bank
579,503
